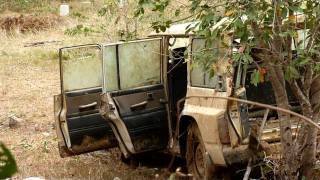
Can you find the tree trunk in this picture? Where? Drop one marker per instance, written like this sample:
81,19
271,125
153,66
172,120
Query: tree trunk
309,153
278,83
310,146
305,149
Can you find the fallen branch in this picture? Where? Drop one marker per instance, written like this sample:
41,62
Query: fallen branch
40,43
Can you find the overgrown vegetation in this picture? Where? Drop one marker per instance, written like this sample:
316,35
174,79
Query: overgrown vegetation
127,25
120,16
79,29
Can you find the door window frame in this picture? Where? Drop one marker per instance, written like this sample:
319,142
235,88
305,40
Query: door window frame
104,82
63,91
64,130
220,78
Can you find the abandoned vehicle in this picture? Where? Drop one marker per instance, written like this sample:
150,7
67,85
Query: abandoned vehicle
150,95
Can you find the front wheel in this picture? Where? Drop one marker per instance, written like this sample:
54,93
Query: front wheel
197,162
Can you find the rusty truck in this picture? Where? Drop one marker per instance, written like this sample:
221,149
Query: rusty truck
150,95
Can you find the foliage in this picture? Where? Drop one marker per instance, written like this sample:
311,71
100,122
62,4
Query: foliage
121,15
109,8
79,29
7,163
78,15
243,18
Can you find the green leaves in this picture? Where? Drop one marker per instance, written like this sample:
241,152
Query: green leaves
317,68
289,33
177,12
139,11
243,58
241,30
7,163
258,76
291,73
195,4
79,29
255,77
161,25
302,61
102,11
262,25
160,5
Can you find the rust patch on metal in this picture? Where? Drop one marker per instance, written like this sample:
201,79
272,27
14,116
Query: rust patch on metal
145,143
223,130
88,144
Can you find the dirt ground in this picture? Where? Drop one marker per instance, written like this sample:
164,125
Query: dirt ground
29,77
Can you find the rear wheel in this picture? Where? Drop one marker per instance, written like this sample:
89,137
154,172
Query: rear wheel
197,162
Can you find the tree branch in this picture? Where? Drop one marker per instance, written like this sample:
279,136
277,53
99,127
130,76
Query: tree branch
307,80
314,32
304,101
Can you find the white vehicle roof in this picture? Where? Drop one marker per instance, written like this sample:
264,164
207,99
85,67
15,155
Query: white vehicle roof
181,29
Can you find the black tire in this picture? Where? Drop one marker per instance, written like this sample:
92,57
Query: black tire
197,162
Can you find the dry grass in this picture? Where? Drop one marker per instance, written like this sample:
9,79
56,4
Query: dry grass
28,23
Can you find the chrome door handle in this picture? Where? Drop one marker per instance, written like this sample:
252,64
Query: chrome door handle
139,105
94,104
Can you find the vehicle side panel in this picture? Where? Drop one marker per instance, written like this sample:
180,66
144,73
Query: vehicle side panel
134,95
147,126
206,112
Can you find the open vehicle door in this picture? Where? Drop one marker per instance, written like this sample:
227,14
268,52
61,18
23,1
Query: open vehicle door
79,125
134,100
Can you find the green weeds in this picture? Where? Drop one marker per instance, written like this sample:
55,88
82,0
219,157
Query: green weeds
78,30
